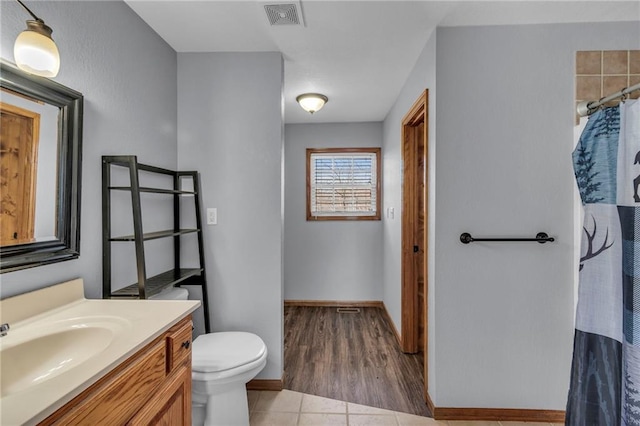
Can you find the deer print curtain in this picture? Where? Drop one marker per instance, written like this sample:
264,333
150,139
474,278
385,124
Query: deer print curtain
605,376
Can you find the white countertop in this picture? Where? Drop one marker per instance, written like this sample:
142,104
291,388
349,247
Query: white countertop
136,323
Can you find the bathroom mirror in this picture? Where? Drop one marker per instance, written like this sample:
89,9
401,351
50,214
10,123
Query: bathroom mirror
40,170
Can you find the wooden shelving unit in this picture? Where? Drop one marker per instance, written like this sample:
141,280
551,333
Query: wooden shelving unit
176,276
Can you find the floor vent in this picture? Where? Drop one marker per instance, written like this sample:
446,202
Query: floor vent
348,310
284,13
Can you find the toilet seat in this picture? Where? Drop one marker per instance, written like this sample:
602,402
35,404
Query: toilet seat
223,351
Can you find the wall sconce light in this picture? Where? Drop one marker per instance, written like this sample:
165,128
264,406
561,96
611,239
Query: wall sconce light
312,102
34,50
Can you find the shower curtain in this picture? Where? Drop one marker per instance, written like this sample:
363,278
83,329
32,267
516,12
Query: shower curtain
605,373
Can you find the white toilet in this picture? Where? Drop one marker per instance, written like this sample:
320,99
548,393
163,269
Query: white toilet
222,363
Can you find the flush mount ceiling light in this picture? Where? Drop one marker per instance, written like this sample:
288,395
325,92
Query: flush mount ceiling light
312,102
34,50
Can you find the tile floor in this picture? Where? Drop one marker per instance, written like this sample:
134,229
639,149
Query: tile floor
288,408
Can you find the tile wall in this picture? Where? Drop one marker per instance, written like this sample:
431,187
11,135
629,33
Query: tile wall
600,73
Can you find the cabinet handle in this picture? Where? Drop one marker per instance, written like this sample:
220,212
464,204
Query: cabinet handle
186,344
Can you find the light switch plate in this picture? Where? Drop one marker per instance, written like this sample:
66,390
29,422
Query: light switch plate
212,216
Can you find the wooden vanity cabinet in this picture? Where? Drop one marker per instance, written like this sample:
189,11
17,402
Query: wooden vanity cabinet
153,387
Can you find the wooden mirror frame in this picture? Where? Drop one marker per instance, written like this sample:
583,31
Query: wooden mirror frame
66,242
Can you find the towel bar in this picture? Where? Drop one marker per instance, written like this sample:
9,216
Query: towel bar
541,238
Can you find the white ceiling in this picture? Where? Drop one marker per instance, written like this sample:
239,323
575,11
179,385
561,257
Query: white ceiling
358,53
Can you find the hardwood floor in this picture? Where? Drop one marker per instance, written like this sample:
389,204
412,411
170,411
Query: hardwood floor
352,357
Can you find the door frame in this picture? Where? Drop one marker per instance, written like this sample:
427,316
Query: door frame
417,114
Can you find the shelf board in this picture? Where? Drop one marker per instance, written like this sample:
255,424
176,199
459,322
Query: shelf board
156,284
129,161
155,235
153,190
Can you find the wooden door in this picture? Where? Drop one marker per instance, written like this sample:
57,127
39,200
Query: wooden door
19,138
171,405
414,231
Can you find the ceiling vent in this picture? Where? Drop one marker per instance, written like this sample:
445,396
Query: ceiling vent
284,13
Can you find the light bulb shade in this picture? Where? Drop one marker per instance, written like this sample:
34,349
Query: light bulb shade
312,102
35,51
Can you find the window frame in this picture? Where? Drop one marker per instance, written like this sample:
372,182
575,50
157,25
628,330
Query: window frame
339,151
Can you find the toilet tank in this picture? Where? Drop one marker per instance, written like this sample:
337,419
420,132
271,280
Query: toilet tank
172,293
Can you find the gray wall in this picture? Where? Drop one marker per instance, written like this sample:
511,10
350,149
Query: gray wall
502,314
423,76
127,74
328,260
505,136
230,121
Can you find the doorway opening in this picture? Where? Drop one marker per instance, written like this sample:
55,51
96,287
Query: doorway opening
414,231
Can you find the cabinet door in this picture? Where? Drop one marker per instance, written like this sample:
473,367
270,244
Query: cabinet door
119,395
171,405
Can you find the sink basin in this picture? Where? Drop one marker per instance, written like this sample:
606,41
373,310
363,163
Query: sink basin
33,354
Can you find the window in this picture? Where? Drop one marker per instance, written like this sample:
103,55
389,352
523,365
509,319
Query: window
343,184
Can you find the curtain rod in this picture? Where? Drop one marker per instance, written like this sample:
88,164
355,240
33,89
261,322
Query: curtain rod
588,107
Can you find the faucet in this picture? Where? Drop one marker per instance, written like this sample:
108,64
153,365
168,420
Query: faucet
3,329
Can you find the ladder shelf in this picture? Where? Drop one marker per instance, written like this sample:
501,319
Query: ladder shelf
176,276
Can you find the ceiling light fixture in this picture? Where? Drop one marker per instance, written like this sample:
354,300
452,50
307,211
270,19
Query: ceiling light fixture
34,50
312,102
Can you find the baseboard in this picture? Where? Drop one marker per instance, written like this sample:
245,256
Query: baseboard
265,384
336,303
430,405
392,324
496,414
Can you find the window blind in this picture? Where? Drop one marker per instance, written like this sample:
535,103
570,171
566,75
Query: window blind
343,184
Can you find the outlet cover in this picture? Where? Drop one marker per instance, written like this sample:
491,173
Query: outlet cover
212,216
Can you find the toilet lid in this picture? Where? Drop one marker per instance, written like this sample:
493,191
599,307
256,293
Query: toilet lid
215,352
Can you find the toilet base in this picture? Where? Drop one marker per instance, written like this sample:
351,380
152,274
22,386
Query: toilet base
198,414
229,408
219,396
